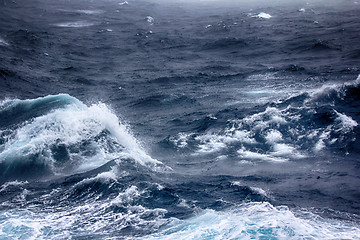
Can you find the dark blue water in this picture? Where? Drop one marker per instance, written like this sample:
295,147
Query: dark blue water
179,120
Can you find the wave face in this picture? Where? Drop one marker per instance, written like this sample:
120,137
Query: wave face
60,135
168,120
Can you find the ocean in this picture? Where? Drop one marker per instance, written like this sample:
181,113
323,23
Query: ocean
146,119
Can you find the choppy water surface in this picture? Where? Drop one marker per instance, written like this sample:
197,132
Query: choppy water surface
179,120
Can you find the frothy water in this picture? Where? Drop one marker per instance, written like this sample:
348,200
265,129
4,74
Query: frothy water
258,221
261,15
90,12
76,24
280,132
191,120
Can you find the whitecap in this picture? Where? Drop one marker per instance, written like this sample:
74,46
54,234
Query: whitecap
258,221
273,136
150,19
70,125
346,123
244,136
210,143
260,191
12,183
320,143
259,156
181,139
263,15
76,24
90,12
3,42
282,149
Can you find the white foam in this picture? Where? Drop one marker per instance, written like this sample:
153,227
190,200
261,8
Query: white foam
210,143
150,19
282,149
320,143
124,3
90,12
259,120
263,15
259,156
273,136
237,183
357,81
276,134
261,124
347,123
76,24
244,136
111,175
72,125
127,196
313,134
261,77
258,221
181,140
12,183
333,86
96,218
302,10
260,191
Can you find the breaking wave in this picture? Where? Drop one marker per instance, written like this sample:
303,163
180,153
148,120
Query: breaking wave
61,135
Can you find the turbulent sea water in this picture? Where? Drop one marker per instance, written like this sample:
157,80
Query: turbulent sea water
179,120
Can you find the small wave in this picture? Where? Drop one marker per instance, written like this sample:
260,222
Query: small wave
261,15
324,45
90,12
3,42
258,221
150,19
77,24
124,3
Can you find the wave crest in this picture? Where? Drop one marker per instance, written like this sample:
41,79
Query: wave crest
60,135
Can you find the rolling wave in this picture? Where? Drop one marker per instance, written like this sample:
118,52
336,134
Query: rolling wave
60,135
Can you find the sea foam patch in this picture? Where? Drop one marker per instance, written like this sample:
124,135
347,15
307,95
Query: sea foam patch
261,15
76,24
258,221
90,12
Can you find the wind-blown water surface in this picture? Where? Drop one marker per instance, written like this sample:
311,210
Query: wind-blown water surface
179,120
